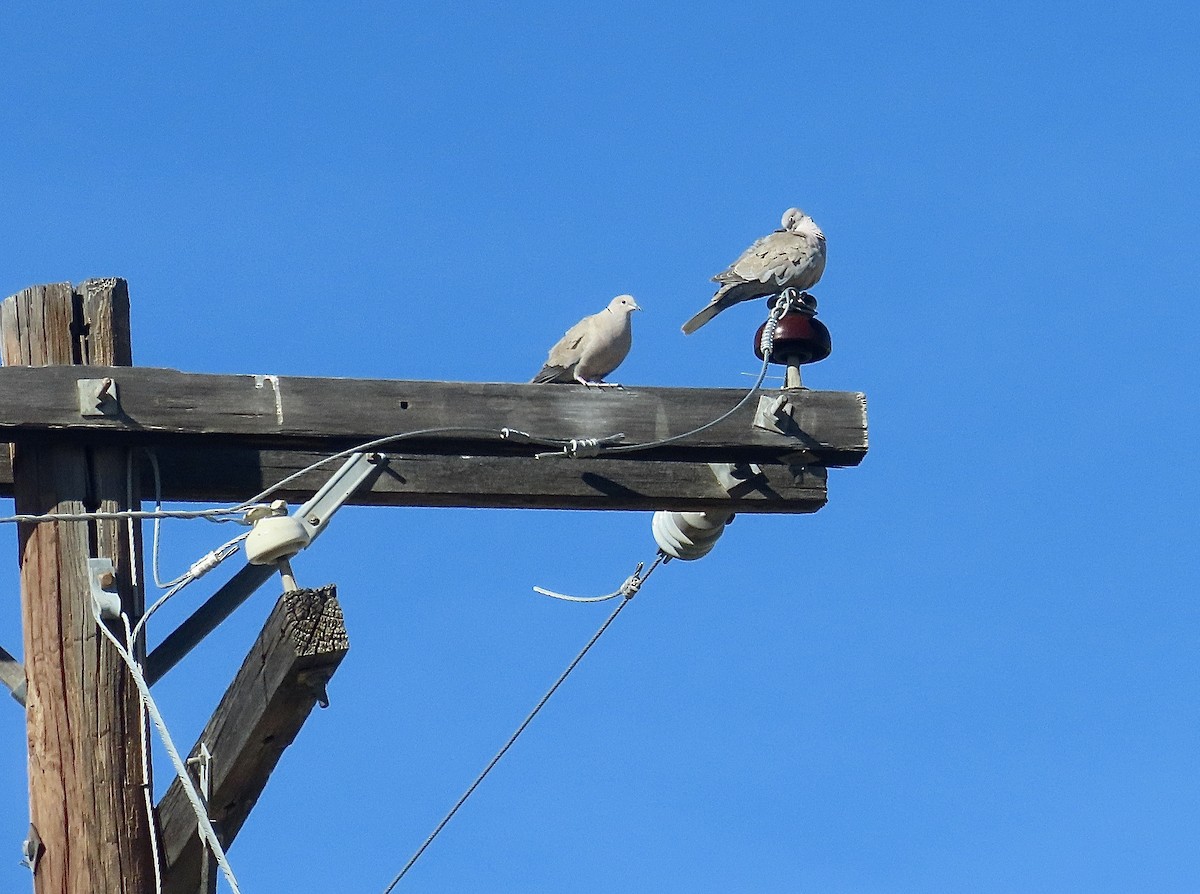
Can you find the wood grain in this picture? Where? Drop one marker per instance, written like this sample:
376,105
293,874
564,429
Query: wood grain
82,710
296,413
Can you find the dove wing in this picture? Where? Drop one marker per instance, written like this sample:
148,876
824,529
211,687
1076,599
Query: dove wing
563,357
567,351
780,258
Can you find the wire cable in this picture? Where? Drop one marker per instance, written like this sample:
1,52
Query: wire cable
143,735
189,789
520,729
199,568
627,589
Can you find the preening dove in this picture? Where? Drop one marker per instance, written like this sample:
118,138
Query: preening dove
593,347
791,257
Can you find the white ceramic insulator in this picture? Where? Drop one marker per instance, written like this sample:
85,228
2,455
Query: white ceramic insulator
688,535
276,537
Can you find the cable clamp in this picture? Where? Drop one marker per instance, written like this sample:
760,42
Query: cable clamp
516,436
584,448
632,584
205,564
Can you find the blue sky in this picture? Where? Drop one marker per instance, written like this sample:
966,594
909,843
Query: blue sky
973,670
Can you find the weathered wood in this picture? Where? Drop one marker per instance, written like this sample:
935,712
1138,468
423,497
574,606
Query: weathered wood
282,678
12,675
83,717
295,413
223,474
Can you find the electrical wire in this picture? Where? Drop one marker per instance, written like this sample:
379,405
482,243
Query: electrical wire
236,513
143,735
520,729
627,589
157,530
214,514
206,828
629,448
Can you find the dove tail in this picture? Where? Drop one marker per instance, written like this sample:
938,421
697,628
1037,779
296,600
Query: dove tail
701,318
551,375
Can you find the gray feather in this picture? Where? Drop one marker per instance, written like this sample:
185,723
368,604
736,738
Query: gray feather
791,257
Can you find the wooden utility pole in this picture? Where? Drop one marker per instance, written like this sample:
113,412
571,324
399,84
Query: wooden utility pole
78,412
90,830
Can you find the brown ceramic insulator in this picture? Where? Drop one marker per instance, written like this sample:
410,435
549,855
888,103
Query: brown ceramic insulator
798,335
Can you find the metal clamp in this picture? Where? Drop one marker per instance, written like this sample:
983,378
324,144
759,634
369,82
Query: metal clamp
736,478
776,414
102,575
98,397
201,767
32,849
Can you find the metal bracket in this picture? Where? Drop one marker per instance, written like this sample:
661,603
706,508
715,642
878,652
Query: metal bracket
776,414
101,577
98,397
201,767
317,683
32,849
800,465
12,675
737,477
337,490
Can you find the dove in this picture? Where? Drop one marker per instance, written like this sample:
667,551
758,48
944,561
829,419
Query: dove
791,257
593,347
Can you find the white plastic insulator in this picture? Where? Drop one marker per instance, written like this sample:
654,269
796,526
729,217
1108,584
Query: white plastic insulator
688,535
276,537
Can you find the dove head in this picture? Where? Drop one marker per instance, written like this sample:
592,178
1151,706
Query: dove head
792,218
796,221
623,304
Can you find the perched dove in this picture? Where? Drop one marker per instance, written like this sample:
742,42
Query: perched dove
791,257
593,347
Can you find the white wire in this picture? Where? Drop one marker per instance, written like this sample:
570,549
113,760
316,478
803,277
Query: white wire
566,598
626,589
213,514
199,568
130,640
189,789
157,530
236,513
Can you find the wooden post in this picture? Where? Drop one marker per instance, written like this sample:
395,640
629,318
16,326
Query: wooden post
85,766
